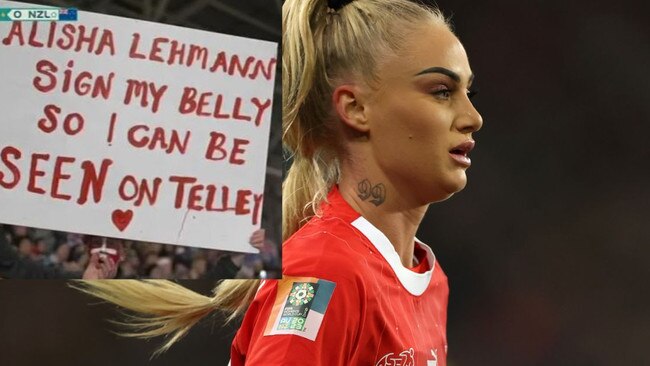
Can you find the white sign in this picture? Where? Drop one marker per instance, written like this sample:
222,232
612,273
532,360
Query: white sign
124,128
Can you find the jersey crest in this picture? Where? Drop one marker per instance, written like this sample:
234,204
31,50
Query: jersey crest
404,358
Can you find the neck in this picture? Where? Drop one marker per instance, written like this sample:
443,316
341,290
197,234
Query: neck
382,205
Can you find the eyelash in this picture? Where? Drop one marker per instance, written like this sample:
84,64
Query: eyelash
445,93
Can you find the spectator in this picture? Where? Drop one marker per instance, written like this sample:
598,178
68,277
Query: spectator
69,257
16,262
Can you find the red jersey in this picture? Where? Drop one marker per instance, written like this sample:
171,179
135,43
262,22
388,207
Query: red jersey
346,299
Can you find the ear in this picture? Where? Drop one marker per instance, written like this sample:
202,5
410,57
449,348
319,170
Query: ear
349,105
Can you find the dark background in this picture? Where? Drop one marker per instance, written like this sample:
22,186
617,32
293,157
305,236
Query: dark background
546,249
44,322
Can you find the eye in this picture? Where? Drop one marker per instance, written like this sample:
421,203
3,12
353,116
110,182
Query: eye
471,93
442,93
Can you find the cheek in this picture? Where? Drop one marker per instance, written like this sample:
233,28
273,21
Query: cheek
430,123
410,129
399,122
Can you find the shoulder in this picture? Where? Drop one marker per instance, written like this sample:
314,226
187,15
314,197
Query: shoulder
325,248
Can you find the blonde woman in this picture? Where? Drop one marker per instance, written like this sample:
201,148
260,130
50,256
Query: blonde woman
377,117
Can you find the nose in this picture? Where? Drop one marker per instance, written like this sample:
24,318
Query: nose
468,119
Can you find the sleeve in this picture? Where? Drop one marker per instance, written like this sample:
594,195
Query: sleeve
300,321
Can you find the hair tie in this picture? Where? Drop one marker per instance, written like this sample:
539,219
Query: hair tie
337,4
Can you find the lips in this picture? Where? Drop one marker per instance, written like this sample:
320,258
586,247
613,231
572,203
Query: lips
459,153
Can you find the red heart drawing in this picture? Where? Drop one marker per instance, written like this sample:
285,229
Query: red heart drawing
122,219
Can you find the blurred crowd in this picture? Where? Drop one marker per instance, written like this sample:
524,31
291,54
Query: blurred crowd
53,254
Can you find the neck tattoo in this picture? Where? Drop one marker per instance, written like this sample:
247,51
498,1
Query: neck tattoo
376,193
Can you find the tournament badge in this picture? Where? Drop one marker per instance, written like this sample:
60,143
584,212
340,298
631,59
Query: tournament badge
296,308
300,306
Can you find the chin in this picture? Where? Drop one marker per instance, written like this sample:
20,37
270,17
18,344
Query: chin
442,188
446,191
462,184
442,198
453,186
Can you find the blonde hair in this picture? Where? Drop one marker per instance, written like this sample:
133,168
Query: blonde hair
165,308
320,47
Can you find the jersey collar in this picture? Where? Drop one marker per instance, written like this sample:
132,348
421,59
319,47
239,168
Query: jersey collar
414,283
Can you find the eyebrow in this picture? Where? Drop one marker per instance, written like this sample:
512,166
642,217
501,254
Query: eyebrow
441,70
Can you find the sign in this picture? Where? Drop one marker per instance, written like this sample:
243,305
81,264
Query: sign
131,129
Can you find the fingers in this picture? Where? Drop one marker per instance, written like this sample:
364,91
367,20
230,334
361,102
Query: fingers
108,268
100,269
94,260
257,234
92,271
257,239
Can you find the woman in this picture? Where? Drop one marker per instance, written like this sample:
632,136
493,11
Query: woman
377,116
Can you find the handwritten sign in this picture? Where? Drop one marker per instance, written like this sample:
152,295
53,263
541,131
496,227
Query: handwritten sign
124,128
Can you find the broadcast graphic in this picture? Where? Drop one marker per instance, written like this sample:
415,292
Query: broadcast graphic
38,14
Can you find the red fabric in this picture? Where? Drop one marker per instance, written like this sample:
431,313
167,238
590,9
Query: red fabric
371,318
423,264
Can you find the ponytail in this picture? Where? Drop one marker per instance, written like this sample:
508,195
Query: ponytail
167,308
306,138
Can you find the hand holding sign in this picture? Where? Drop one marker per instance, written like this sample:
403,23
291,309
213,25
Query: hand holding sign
100,269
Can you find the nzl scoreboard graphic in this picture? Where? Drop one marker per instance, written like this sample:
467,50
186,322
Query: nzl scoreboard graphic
36,14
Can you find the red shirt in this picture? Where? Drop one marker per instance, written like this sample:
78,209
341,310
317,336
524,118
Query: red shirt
346,299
